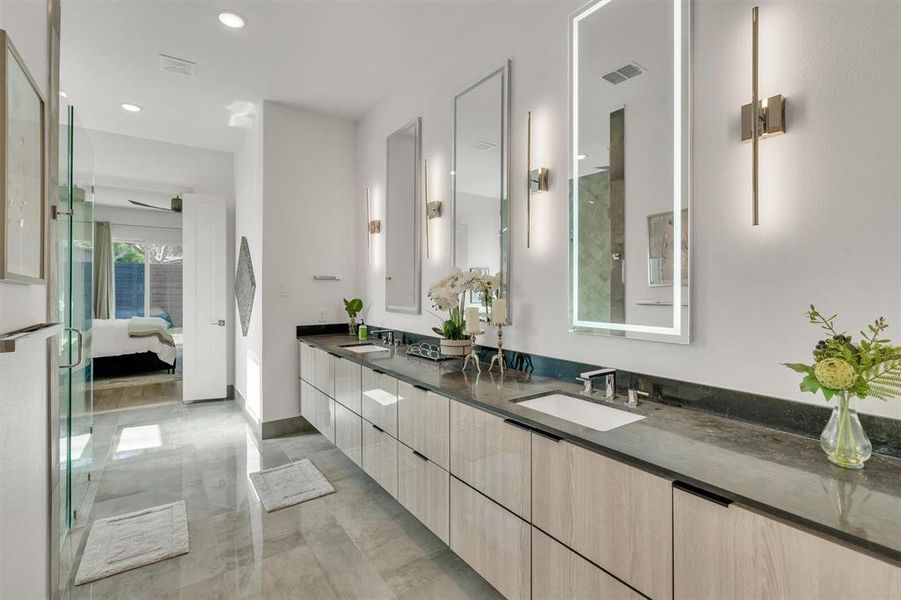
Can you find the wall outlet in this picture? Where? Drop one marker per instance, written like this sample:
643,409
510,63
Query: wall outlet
322,314
283,290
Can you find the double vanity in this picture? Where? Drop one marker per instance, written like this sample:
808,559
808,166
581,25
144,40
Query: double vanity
549,494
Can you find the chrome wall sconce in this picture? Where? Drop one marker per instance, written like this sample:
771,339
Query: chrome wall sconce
433,209
373,226
538,181
760,119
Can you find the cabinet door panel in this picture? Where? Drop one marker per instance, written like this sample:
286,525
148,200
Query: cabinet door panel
323,372
492,540
347,384
423,488
558,573
380,457
307,366
732,552
423,422
492,456
617,516
379,400
348,433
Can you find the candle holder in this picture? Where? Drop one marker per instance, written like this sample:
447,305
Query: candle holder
472,354
499,357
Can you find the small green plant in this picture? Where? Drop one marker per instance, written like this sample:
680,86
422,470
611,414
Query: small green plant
869,368
353,307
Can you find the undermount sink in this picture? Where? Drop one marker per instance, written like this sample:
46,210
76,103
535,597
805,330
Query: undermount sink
581,412
365,348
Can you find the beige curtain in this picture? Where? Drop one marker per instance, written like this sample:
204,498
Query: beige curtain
104,281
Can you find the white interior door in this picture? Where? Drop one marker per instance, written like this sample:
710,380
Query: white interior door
203,247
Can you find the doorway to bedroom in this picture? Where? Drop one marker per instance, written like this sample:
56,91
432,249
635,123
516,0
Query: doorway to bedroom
138,325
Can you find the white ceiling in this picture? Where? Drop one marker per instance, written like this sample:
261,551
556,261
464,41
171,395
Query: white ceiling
337,57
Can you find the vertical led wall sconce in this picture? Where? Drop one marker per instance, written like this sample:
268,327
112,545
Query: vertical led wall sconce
374,226
538,181
432,210
760,119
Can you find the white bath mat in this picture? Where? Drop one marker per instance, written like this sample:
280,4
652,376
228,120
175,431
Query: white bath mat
134,540
290,484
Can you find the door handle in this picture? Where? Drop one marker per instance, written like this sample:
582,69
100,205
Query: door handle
220,322
80,348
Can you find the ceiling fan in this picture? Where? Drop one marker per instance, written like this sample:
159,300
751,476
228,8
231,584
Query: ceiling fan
174,205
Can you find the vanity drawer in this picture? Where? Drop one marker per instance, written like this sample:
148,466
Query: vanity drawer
380,457
307,367
733,552
323,372
348,377
349,433
492,455
492,540
558,573
423,422
423,488
379,400
616,516
318,409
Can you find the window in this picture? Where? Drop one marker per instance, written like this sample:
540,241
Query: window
149,281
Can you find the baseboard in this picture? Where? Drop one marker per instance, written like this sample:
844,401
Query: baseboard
280,427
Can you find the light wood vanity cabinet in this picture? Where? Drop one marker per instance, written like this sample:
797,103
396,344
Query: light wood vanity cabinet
492,540
380,457
323,372
558,573
348,376
492,455
318,409
379,400
423,422
348,433
306,362
618,517
732,552
423,488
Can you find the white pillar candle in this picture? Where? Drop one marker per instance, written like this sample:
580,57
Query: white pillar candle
499,311
472,320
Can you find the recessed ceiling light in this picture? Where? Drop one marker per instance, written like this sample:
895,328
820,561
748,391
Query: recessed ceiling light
582,156
63,94
232,19
128,107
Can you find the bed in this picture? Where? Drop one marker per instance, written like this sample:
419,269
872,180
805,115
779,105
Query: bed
118,353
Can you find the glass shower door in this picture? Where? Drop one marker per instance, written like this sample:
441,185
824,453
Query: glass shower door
76,276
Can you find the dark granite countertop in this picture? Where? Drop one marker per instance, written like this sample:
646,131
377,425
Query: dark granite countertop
781,474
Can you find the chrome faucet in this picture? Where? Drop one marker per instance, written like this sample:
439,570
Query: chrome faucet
589,377
634,393
388,340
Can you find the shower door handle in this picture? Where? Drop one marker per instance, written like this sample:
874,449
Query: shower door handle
78,333
219,323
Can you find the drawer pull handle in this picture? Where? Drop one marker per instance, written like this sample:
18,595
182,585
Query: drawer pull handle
377,372
534,430
702,493
517,424
420,456
419,387
377,428
333,354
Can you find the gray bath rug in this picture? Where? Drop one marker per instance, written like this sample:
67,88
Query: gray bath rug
290,484
134,540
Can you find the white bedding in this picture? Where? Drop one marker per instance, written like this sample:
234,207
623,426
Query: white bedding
110,338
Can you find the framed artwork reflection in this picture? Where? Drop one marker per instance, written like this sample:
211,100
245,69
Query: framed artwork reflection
660,249
22,170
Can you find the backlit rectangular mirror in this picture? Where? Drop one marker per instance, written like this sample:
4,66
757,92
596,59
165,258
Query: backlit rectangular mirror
629,169
402,216
481,179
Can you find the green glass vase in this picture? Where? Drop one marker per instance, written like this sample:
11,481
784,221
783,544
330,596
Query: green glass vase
843,440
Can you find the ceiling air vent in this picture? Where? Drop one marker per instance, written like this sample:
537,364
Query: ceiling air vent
623,73
178,66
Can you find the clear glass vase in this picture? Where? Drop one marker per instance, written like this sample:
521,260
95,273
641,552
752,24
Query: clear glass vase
843,440
352,327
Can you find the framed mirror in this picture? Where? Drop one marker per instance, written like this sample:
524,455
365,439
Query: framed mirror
402,216
481,179
629,169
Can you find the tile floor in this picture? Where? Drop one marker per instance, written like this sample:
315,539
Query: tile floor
356,543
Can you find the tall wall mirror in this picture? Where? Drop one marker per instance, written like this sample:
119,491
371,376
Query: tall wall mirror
402,216
629,169
481,179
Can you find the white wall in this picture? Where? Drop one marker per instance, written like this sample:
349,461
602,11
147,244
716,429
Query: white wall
296,192
830,188
121,160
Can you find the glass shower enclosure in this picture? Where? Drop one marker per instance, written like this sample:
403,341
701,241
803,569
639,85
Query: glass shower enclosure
76,275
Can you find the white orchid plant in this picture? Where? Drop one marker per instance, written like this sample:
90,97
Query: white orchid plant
449,293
